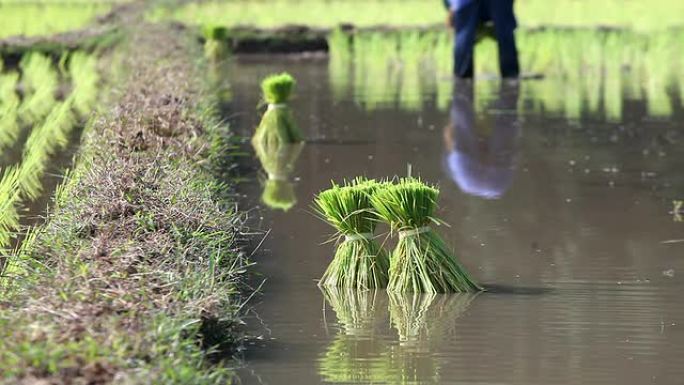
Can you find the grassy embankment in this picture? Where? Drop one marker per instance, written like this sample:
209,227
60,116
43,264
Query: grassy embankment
134,276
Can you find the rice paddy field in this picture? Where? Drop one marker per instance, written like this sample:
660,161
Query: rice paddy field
633,14
43,106
585,71
47,17
176,211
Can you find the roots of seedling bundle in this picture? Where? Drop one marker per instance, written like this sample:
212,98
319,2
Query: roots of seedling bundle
422,263
359,262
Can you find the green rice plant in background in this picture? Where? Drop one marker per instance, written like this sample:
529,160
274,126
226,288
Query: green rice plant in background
585,71
84,79
421,261
41,144
9,196
48,134
359,261
278,161
40,82
638,15
9,109
277,125
340,63
355,354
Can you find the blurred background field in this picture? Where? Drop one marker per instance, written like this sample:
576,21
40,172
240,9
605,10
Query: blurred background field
46,17
642,15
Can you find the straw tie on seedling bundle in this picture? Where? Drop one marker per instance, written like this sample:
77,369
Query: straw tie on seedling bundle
359,261
421,261
278,162
277,125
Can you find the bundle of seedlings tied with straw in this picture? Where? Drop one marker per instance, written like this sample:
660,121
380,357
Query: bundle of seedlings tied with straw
216,41
421,261
277,124
359,261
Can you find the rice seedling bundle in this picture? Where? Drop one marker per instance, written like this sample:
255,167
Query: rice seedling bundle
359,261
278,161
421,261
277,124
215,44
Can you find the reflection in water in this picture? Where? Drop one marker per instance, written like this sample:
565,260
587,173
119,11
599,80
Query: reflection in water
422,321
480,153
585,219
354,355
587,70
278,161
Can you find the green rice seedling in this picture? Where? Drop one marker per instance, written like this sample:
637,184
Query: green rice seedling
9,197
41,144
340,63
355,355
359,261
278,161
9,110
277,124
421,261
84,78
40,82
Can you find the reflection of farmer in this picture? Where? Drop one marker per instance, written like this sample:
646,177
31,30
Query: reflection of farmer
466,16
481,162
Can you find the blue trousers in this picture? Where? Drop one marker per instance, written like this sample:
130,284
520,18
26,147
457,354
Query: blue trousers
468,18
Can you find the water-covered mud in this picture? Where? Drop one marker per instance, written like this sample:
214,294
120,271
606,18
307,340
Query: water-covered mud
568,219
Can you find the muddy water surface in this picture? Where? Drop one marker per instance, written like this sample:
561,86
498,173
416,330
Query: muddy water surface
570,223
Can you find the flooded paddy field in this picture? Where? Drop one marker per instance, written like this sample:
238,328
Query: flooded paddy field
565,209
43,106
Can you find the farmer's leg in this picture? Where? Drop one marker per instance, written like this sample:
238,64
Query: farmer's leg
466,20
503,17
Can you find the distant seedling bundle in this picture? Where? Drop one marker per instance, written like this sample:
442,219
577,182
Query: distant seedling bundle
278,141
277,124
421,262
